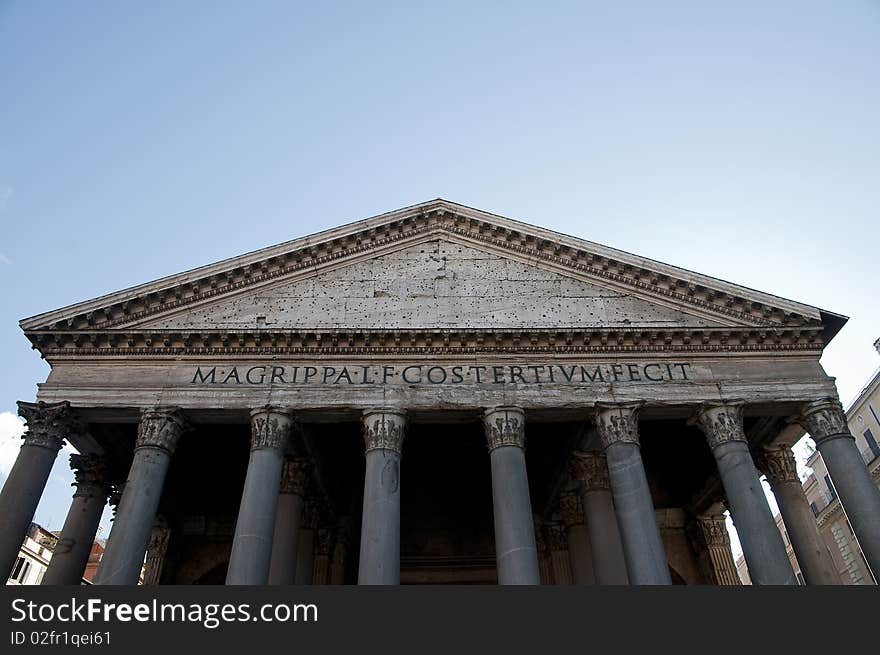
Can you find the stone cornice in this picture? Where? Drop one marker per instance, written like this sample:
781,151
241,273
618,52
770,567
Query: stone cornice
144,343
581,259
829,513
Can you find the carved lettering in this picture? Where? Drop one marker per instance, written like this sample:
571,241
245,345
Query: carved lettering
430,374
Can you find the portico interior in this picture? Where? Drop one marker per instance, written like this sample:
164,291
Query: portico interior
446,497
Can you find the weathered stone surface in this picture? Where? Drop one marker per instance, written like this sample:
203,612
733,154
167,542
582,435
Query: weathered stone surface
223,382
432,284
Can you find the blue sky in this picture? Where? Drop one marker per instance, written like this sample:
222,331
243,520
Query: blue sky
739,140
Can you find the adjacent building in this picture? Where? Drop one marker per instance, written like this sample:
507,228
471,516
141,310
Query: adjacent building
839,539
33,556
863,419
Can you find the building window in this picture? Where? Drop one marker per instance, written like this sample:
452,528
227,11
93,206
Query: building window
815,509
872,442
20,570
831,489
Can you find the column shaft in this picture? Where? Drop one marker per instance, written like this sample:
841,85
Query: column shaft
642,543
288,519
761,542
282,568
305,556
48,425
812,555
826,422
609,565
255,527
380,528
580,552
323,550
515,550
158,434
72,551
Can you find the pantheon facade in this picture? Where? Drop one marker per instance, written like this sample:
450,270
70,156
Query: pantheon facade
436,395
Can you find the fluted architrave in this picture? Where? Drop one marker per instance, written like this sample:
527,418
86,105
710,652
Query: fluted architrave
590,469
161,428
721,422
49,424
384,429
270,428
618,423
571,510
295,475
91,474
505,426
825,419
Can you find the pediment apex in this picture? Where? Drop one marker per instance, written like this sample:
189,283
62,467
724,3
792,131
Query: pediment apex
393,230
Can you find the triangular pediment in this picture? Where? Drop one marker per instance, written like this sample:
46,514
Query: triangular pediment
438,283
434,266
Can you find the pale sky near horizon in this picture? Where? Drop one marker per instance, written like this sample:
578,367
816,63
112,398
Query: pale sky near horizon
739,140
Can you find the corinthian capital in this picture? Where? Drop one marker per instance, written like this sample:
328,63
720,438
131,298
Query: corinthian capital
270,428
721,423
777,463
160,428
48,424
92,475
295,475
618,423
571,510
505,426
714,530
591,469
824,419
384,429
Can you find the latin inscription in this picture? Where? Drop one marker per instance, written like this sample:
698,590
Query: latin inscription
425,374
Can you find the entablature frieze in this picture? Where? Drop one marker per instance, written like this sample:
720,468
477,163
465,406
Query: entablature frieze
146,344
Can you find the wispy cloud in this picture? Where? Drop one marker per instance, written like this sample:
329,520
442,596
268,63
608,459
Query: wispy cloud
5,260
11,429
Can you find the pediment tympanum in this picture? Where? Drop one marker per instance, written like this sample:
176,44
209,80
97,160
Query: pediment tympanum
434,284
431,268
